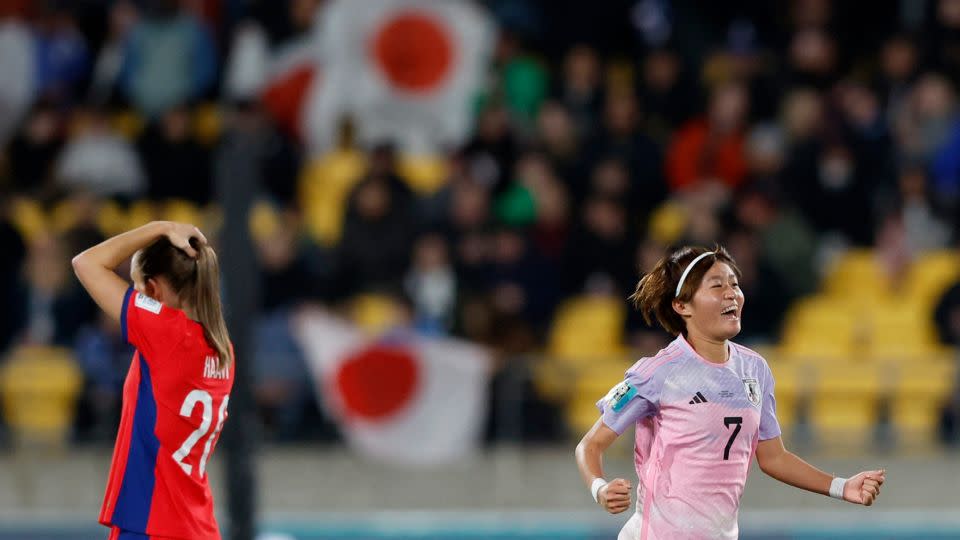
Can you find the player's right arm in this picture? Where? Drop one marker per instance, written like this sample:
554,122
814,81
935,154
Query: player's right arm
634,398
614,496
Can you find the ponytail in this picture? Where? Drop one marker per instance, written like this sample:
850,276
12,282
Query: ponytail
205,299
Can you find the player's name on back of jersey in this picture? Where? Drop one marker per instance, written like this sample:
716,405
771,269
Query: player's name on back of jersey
212,371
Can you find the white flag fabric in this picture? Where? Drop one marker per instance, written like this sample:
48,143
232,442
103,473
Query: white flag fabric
404,70
293,78
401,398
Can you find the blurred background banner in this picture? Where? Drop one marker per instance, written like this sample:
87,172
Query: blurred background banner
406,71
399,397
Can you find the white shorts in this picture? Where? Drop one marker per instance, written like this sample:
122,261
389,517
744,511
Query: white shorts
631,529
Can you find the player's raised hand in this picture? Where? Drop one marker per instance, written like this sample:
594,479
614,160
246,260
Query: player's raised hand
180,235
614,497
864,488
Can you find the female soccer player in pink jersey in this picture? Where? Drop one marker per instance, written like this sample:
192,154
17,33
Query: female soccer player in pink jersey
176,392
702,407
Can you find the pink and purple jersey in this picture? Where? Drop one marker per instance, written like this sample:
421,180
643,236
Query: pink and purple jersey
174,406
697,428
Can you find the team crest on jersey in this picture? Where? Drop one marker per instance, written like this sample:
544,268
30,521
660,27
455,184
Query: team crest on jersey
145,302
620,395
752,386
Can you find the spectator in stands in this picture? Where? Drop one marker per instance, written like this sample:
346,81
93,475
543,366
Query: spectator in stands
106,73
378,234
176,164
282,385
466,226
599,257
14,252
898,70
288,278
558,139
947,320
169,58
710,149
34,150
62,57
580,89
491,153
621,139
924,124
104,358
812,59
98,160
431,285
769,295
522,288
17,85
943,38
665,95
56,307
947,316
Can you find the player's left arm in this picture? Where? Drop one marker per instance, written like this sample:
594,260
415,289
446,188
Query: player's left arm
778,462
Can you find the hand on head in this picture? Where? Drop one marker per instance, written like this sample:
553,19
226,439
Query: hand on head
180,235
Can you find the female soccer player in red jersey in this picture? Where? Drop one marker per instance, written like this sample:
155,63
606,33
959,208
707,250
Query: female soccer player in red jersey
176,392
702,408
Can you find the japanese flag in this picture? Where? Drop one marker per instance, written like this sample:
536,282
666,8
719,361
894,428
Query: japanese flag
404,70
400,398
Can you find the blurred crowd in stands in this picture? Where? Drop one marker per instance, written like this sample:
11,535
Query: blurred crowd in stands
606,132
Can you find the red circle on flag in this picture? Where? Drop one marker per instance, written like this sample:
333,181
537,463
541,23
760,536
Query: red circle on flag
414,52
376,382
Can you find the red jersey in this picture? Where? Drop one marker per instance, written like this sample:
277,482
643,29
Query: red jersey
174,406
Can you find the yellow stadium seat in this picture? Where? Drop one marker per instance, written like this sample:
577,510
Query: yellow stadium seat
588,327
140,213
40,387
324,186
900,329
424,174
581,414
128,123
375,313
918,395
598,378
668,222
111,219
930,275
264,220
207,123
64,215
182,211
28,218
821,328
844,402
857,274
789,386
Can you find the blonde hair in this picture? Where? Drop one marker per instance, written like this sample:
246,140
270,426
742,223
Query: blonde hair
196,281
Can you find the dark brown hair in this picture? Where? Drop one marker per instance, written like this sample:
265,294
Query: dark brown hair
196,282
655,291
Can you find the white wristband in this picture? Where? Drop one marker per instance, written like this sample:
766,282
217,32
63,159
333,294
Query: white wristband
836,487
595,488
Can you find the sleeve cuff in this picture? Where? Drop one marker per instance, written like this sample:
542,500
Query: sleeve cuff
123,313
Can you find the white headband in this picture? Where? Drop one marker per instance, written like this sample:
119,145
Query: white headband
683,276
